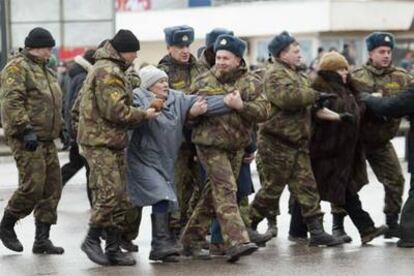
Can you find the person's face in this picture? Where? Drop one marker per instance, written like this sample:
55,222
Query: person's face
179,53
129,57
381,56
43,53
160,88
292,55
343,73
226,61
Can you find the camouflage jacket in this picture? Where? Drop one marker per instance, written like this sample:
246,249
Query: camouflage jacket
180,76
291,97
105,108
206,61
31,98
230,131
376,131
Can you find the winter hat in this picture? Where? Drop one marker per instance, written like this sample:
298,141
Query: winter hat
125,41
150,75
280,42
230,43
333,61
39,38
378,39
179,35
211,37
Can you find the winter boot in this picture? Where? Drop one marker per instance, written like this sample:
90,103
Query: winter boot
240,250
162,244
272,227
42,243
128,245
338,230
92,246
318,236
257,238
373,232
7,234
394,230
113,251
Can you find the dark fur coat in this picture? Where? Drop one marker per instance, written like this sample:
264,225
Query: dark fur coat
336,154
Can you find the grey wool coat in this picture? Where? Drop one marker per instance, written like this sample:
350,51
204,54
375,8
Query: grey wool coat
153,147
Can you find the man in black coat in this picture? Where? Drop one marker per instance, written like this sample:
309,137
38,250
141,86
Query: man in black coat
400,105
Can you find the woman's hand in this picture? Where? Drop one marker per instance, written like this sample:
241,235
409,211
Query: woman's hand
199,107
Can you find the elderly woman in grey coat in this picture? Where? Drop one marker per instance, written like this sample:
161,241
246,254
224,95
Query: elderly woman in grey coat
153,150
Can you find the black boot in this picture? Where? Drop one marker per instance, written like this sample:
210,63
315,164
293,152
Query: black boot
240,250
338,230
113,251
372,232
42,243
318,236
128,245
257,238
394,230
7,234
92,246
163,245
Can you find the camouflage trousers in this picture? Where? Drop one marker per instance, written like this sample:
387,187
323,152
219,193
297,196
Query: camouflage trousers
107,179
386,166
218,199
40,182
188,183
274,210
284,165
132,222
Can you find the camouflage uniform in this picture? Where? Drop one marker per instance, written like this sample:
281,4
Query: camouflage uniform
32,100
188,181
105,113
376,133
283,143
220,143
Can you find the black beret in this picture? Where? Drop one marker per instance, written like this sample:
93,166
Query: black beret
39,38
280,42
179,35
211,37
125,41
378,39
230,43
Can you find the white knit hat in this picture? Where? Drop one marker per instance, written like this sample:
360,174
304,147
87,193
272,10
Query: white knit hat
150,75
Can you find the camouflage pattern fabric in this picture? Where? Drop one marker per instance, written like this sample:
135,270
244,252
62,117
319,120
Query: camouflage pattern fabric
132,223
40,183
105,108
376,133
218,199
108,185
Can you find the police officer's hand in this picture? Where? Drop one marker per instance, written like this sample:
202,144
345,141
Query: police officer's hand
30,141
234,100
347,118
151,113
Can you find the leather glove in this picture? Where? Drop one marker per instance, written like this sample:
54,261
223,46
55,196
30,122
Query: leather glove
347,118
30,141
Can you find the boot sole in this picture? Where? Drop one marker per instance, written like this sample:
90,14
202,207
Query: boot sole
405,244
162,257
246,252
90,257
328,245
47,252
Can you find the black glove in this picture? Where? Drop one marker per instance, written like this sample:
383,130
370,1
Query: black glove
347,118
30,141
324,98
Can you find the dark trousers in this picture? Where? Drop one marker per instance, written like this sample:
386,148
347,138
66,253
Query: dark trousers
407,215
361,219
76,162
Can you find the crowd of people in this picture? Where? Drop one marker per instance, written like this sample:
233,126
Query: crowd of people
180,136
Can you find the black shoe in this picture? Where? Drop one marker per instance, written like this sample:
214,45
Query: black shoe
163,244
128,245
257,238
113,251
42,243
7,234
405,244
318,236
298,239
372,233
92,247
394,230
338,230
240,250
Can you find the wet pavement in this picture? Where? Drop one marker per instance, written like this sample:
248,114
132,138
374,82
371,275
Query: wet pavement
280,257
